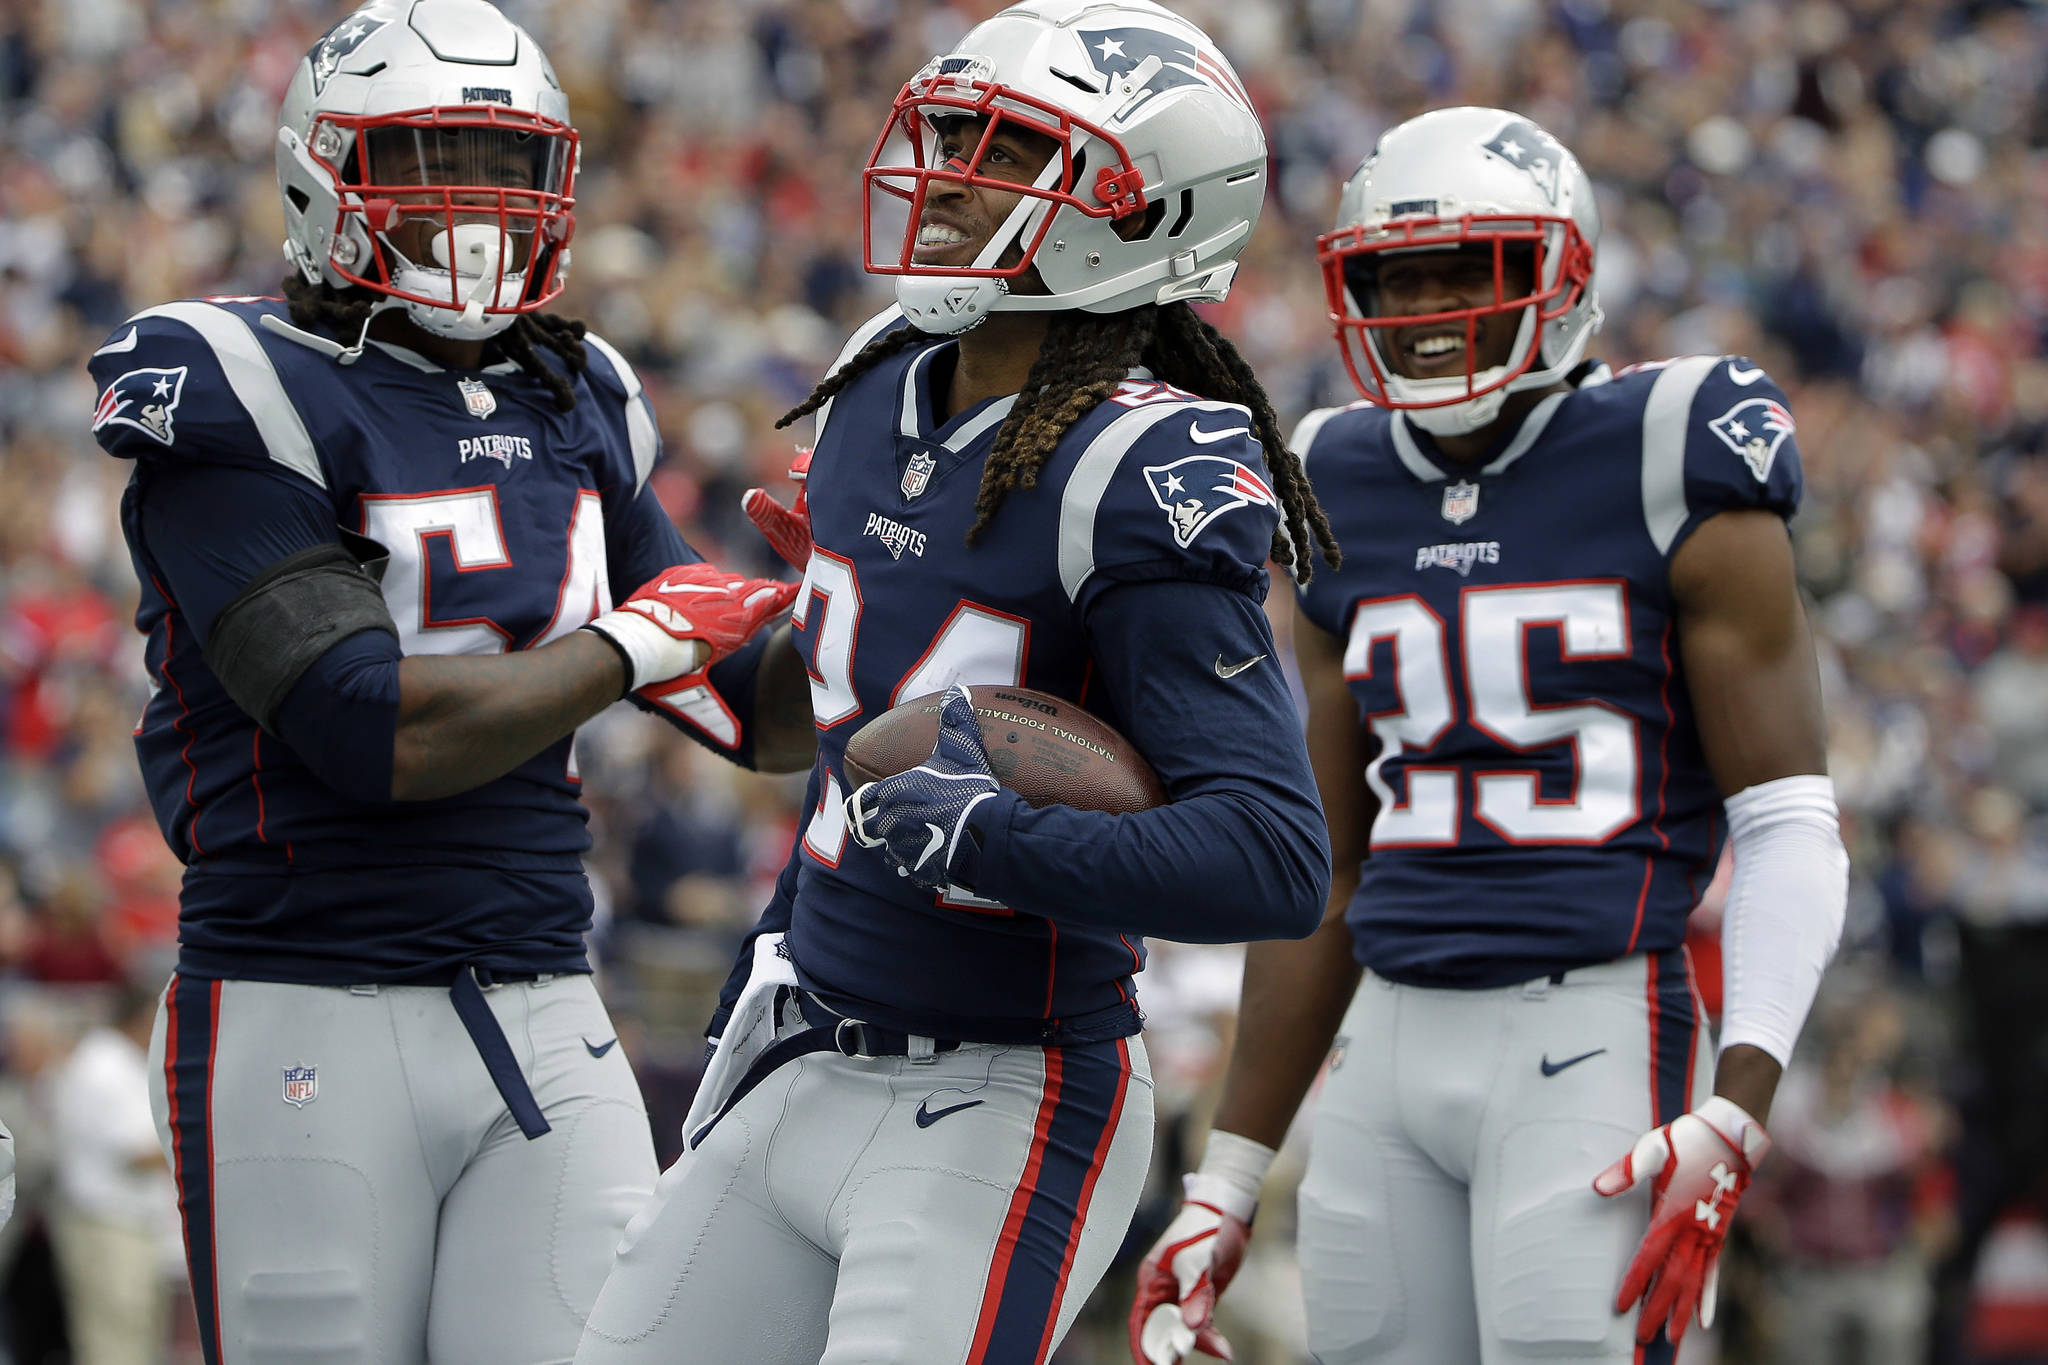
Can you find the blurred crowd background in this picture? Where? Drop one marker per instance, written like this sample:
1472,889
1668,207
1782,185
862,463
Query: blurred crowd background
1854,192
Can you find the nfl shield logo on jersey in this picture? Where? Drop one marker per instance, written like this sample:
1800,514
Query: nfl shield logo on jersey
477,396
918,473
301,1085
1461,502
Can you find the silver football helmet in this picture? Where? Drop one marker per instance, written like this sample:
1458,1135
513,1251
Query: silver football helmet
1448,179
424,153
1154,186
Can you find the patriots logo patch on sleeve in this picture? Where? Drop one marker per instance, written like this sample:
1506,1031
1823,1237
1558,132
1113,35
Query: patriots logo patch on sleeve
144,399
1197,489
1754,429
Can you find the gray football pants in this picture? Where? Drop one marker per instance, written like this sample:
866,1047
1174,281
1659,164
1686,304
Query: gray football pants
354,1190
1448,1212
955,1211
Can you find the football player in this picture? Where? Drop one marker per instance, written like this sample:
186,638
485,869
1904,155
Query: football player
1565,660
1040,469
379,527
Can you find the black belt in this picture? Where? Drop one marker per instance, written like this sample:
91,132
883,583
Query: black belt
829,1031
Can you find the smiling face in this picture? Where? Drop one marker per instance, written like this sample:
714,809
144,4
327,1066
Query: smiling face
959,219
1422,283
482,159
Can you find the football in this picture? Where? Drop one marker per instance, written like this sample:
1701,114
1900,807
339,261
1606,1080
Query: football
1046,749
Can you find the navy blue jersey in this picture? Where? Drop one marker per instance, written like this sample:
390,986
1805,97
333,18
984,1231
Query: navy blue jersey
506,523
1128,579
1508,630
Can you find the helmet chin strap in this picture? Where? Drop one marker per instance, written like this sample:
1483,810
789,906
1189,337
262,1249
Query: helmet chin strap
465,251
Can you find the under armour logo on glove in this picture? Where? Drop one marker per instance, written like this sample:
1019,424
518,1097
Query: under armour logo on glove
918,818
1698,1165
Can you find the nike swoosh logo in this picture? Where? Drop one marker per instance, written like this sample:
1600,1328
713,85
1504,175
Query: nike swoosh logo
938,842
1551,1068
598,1049
126,343
927,1117
1196,434
1224,670
688,587
1744,377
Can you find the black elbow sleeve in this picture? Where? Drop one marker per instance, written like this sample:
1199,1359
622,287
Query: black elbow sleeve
273,630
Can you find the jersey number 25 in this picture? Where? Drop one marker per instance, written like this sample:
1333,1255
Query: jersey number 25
1592,622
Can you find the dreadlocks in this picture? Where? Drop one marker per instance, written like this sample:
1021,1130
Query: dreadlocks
1083,359
320,306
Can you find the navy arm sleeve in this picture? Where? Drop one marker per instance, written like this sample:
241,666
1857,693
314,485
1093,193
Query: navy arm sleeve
1240,852
718,712
209,530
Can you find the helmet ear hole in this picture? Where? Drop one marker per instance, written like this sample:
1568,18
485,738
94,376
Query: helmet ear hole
299,198
1140,227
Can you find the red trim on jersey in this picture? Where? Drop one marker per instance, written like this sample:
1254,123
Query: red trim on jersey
1636,929
1664,741
1650,960
182,723
256,780
1101,1157
1699,1020
1052,961
212,1182
1013,1222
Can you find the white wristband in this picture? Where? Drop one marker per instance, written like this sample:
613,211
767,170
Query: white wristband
653,654
1232,1170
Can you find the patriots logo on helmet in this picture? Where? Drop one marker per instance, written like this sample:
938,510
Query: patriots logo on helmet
1529,149
344,38
1754,429
1118,51
144,399
1196,489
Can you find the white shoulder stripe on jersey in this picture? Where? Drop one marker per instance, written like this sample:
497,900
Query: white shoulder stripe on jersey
1666,423
1308,428
973,427
1532,427
862,335
639,421
254,381
906,417
1090,480
1411,454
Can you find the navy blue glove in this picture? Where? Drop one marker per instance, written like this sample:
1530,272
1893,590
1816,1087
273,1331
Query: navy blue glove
919,816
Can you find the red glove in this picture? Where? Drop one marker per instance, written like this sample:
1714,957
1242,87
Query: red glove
687,618
788,529
1179,1280
1196,1258
1698,1165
